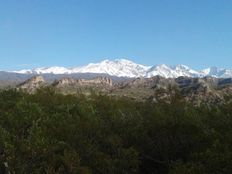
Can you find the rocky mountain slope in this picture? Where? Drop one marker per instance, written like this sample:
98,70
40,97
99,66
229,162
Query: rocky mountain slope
69,85
196,90
32,84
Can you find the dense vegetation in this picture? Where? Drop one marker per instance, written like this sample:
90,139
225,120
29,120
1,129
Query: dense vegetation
51,133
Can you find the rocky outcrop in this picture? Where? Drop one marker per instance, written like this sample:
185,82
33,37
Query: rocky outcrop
65,82
195,90
156,82
70,85
99,81
32,84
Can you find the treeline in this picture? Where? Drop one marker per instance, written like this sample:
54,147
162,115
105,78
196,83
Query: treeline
52,133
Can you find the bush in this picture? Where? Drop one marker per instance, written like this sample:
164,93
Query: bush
47,132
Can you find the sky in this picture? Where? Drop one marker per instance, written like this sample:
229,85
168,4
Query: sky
70,33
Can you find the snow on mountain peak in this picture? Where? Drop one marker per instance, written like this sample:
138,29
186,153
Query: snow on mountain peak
171,71
181,67
127,68
53,70
217,72
210,71
118,67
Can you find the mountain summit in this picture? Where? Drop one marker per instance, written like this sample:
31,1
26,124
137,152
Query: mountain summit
127,68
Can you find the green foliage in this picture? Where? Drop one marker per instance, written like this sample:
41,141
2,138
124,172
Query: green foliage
47,132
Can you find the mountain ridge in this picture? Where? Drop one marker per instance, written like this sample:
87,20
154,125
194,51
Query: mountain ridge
129,69
196,90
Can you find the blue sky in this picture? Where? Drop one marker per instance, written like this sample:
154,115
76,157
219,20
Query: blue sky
35,33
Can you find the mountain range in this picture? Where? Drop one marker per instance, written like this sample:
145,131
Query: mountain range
129,69
208,90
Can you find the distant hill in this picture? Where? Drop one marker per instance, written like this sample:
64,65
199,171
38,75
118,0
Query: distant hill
195,90
12,79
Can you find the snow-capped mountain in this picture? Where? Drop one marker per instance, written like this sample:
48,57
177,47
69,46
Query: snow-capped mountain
217,72
52,70
119,67
172,71
127,68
